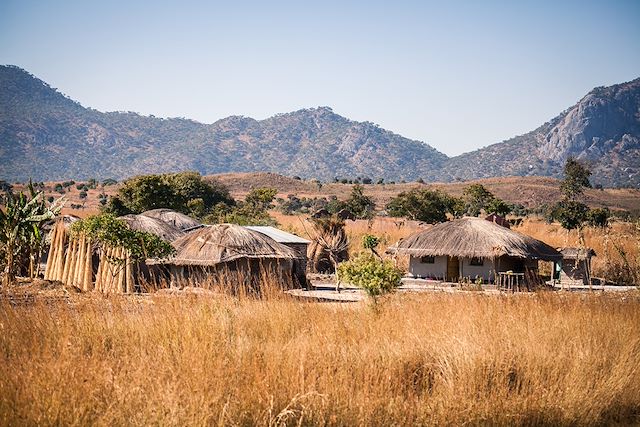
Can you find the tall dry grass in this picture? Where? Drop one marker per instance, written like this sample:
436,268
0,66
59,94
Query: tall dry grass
389,230
607,243
444,359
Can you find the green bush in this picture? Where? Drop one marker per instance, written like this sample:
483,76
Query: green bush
375,276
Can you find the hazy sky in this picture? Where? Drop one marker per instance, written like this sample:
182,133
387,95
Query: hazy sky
458,75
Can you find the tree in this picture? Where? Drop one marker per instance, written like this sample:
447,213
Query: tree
172,191
598,217
252,211
370,242
359,205
570,212
498,206
576,178
477,198
108,230
21,230
147,192
430,206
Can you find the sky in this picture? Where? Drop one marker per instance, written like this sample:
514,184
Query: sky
458,75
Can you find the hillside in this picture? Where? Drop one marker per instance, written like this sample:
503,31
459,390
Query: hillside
602,130
47,136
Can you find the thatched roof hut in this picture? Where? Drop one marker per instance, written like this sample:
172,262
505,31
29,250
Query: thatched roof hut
475,238
176,219
222,243
474,249
231,256
155,226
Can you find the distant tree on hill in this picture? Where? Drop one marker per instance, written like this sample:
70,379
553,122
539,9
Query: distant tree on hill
430,206
477,199
358,204
173,191
252,211
571,212
576,178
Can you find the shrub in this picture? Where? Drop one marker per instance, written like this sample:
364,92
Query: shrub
375,276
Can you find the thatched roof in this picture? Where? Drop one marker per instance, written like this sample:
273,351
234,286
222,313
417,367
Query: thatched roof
577,253
177,219
220,243
155,226
474,237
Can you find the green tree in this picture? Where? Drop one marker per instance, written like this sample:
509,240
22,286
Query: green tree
498,206
477,198
570,212
253,210
361,206
172,191
576,178
147,192
430,206
21,230
598,217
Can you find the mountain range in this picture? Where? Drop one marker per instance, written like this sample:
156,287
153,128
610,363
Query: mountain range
46,136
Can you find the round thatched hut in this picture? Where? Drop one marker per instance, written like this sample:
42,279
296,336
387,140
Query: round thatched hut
165,231
472,248
176,219
232,256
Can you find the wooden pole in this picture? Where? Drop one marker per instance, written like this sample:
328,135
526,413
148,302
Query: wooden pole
106,271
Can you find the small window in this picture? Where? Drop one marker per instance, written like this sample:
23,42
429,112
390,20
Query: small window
427,260
476,261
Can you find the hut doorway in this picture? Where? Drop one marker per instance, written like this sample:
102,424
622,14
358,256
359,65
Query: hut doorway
453,268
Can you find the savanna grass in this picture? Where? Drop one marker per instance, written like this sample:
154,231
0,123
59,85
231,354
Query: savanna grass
443,359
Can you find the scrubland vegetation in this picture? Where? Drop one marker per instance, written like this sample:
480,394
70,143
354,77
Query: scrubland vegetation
445,359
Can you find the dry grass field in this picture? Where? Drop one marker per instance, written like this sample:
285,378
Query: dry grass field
423,359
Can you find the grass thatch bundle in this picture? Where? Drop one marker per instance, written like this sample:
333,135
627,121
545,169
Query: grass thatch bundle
474,237
164,230
174,218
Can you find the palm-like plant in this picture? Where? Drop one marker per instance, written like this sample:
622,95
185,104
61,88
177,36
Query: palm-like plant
21,230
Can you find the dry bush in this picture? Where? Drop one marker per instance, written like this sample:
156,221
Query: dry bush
446,359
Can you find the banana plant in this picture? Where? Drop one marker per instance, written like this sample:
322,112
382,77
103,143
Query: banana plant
21,230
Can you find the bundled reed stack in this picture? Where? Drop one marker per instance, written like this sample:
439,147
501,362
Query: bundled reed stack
71,262
72,255
55,260
70,259
115,271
